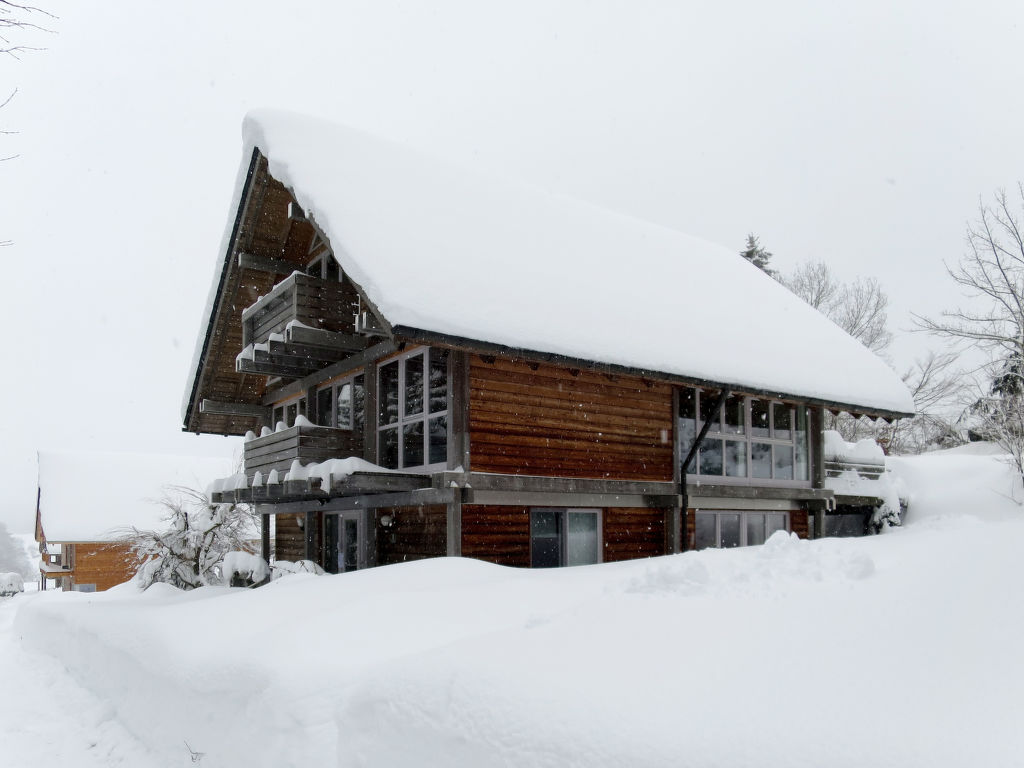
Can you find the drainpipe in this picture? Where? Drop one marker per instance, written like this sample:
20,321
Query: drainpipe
724,393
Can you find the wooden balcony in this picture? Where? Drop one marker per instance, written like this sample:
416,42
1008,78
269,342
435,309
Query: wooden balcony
306,444
302,325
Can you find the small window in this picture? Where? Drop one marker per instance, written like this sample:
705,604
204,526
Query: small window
726,529
85,588
564,537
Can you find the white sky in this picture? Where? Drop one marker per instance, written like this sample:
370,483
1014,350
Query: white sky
861,135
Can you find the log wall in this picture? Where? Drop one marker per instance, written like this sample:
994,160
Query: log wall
415,533
538,419
634,533
498,535
105,565
289,538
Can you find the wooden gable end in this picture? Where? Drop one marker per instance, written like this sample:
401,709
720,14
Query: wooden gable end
266,245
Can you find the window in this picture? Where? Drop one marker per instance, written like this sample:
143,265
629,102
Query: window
288,412
326,267
84,588
729,528
412,410
748,438
341,405
564,537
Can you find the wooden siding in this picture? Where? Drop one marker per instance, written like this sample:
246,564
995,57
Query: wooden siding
537,419
634,533
289,538
415,533
496,534
104,564
307,444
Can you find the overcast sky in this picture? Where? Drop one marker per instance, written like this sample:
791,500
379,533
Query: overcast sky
862,135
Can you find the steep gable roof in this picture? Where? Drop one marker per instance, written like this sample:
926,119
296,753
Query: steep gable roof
440,249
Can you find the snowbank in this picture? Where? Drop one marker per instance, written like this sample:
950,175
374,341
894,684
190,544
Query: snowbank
899,650
11,584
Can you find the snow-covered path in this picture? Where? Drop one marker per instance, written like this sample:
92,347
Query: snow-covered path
47,718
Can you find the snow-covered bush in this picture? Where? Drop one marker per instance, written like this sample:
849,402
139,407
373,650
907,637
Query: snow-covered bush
190,551
286,567
11,584
244,569
13,558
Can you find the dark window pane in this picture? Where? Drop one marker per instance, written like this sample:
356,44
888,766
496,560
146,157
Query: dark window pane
735,414
783,421
344,406
350,529
761,460
438,439
707,409
545,538
289,414
388,395
801,469
687,424
358,403
735,458
413,386
302,406
387,454
438,380
278,416
755,528
581,544
729,527
783,462
412,444
323,407
332,271
759,426
710,457
705,530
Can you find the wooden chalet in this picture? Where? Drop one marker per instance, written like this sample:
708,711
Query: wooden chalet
87,502
427,362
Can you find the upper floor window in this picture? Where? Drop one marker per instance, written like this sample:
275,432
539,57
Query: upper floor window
412,410
324,266
341,404
748,438
287,413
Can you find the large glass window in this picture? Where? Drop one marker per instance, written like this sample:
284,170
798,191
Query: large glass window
412,417
564,537
748,438
728,528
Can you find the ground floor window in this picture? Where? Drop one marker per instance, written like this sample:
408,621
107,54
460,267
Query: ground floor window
560,536
730,528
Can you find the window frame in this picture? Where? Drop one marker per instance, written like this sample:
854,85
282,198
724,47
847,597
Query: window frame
424,417
279,411
743,513
747,437
333,387
563,534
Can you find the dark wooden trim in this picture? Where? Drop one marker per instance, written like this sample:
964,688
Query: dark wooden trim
708,490
817,440
309,529
458,410
485,481
420,336
267,264
265,536
568,499
234,409
225,269
453,511
348,365
318,337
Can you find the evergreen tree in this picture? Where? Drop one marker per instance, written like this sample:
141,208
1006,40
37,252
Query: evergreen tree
757,255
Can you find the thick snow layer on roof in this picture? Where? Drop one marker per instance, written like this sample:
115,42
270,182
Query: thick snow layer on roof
442,249
94,496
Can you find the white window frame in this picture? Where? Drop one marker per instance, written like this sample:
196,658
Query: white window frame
747,437
563,542
425,416
743,513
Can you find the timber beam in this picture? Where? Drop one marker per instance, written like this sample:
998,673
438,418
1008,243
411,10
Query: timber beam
317,337
267,264
234,409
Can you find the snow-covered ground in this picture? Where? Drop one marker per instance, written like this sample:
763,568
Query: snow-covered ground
895,650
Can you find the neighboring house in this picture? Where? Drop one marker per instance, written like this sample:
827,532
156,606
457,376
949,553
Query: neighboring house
521,378
86,502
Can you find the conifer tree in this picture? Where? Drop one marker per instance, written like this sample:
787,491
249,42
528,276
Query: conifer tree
757,255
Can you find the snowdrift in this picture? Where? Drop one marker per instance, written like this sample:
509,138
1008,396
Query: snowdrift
897,650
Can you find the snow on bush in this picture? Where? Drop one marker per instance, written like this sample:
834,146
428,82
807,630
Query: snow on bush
190,551
286,568
11,584
243,569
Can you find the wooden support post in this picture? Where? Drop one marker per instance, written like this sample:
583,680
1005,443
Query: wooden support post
458,407
309,528
370,414
265,537
454,528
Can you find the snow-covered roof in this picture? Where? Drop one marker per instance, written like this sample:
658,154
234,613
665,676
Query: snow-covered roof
94,496
442,249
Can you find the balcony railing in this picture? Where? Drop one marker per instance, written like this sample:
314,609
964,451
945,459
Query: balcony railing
302,325
862,479
304,443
